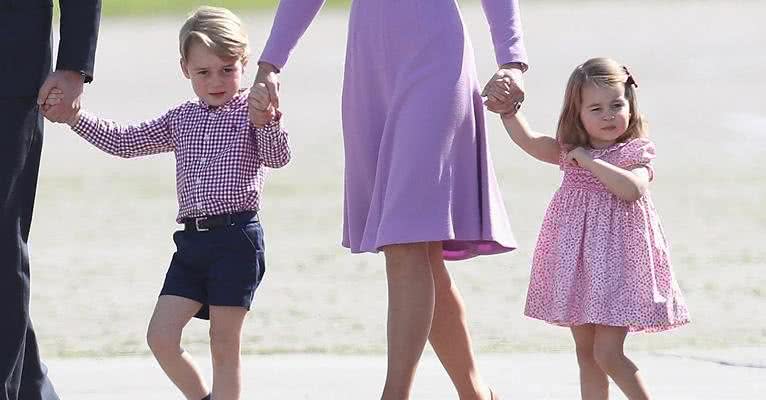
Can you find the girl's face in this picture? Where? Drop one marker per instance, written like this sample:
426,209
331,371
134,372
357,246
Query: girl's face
215,80
605,113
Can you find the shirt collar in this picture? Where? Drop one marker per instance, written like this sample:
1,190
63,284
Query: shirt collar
239,98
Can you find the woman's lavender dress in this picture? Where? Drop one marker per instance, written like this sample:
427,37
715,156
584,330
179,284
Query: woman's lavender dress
418,168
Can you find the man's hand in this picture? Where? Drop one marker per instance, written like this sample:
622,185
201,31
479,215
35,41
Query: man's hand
70,85
55,96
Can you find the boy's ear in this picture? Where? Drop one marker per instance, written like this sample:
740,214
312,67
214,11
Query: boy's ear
184,69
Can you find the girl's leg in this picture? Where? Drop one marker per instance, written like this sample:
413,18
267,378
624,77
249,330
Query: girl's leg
449,332
410,310
594,385
225,334
608,351
171,314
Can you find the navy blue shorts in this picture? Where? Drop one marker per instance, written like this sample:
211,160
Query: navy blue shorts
219,267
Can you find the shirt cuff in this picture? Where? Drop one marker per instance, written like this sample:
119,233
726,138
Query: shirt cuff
85,124
273,128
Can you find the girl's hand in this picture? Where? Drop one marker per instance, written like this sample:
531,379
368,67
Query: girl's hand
505,90
579,156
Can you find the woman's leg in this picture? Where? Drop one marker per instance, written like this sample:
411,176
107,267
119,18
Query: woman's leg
449,332
410,311
594,385
225,336
171,315
608,352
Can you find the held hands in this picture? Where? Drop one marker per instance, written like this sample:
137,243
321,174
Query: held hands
263,100
505,91
59,97
579,156
54,99
259,106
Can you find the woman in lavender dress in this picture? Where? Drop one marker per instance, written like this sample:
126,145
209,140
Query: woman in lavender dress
419,181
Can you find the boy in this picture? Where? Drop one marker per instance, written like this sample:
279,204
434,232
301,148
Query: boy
220,160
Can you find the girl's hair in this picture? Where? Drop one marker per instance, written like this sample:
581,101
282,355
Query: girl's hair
602,72
217,29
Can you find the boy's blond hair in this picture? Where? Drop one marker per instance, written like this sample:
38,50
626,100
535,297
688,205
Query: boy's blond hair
603,72
217,29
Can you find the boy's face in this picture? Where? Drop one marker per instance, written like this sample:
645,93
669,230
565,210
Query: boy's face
215,80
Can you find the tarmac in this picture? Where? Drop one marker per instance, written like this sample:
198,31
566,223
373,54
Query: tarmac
678,375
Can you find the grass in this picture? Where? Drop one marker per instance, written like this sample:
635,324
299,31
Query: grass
153,7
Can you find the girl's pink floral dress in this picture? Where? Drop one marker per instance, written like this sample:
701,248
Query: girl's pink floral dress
603,260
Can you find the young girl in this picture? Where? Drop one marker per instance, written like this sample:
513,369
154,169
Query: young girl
601,266
220,160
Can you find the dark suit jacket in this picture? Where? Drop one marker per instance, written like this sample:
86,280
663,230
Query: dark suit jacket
25,42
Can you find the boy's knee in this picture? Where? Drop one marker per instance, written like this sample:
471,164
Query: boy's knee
161,341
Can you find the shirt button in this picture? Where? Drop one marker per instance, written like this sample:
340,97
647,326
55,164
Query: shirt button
202,160
199,206
198,180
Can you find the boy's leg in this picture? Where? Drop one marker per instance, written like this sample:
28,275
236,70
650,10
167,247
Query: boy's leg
594,385
225,335
171,315
449,334
608,351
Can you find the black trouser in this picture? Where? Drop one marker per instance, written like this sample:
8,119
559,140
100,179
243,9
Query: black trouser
22,374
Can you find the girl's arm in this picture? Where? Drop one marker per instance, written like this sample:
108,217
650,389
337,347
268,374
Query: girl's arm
125,141
539,146
272,143
627,184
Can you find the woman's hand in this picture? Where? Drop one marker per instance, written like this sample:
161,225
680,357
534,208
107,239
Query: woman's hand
267,79
260,110
505,90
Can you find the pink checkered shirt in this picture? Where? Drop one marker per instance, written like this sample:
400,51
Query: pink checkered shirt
219,155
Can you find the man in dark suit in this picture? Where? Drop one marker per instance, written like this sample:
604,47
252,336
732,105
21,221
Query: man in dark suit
25,70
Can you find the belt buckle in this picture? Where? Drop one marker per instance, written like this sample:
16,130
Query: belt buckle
196,224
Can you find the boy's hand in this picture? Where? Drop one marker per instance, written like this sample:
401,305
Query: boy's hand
259,97
55,97
70,83
260,109
579,156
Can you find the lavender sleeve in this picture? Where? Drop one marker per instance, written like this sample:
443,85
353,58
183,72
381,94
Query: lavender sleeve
504,20
291,21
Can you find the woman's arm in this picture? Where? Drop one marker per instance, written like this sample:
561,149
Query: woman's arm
290,23
539,146
504,20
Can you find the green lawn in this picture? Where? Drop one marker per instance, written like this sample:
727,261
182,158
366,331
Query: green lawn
153,7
